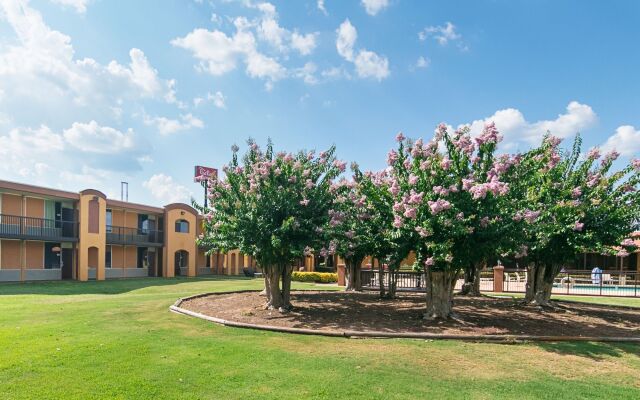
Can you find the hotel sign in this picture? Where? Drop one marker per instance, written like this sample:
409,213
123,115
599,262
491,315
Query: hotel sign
204,173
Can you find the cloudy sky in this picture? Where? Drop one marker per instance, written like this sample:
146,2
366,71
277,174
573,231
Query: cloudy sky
95,92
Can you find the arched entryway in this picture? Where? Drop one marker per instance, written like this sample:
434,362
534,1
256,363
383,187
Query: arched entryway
181,260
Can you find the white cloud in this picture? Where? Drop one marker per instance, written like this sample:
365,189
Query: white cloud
218,99
347,36
168,126
372,7
368,64
304,44
94,138
307,73
516,129
79,5
626,140
422,62
165,189
321,7
442,34
41,60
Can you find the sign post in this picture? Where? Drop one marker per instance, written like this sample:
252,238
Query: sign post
202,175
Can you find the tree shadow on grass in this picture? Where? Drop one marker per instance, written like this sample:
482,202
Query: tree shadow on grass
111,286
593,350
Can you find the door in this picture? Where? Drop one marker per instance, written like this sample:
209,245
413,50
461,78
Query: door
151,259
67,263
68,226
159,264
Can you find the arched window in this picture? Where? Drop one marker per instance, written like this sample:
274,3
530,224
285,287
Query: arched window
182,226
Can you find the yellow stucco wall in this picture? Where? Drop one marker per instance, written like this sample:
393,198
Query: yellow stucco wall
87,240
175,241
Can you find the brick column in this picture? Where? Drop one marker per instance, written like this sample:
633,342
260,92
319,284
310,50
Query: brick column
498,278
341,275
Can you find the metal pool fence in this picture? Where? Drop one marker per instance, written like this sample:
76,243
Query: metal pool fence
568,282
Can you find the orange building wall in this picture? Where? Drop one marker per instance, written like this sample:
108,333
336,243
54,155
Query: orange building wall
34,255
10,254
131,219
117,218
11,204
92,257
130,257
35,207
117,257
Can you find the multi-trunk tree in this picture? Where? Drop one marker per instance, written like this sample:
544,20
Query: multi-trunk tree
573,203
272,207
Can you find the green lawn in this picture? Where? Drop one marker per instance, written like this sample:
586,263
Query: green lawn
117,340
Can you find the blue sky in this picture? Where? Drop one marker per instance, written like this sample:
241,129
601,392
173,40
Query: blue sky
94,92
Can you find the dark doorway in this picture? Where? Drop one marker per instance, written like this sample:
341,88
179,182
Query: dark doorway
142,257
68,222
159,265
181,261
151,259
67,263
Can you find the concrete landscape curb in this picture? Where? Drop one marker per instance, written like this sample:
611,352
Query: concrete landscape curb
176,307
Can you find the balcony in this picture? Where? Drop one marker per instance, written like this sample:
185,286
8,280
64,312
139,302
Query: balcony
134,236
29,228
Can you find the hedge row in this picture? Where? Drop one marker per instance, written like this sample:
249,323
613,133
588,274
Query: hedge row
318,277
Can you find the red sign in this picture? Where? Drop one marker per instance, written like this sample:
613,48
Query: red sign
204,173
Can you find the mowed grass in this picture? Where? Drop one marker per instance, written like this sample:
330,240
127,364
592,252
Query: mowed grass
117,340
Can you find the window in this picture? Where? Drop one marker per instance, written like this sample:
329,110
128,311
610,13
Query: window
107,257
109,221
182,226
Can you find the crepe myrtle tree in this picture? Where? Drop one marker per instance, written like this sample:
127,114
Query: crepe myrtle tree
271,207
446,212
574,204
385,242
350,230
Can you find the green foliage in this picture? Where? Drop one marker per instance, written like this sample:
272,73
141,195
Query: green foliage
318,277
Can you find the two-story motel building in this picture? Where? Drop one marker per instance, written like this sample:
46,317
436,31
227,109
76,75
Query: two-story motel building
50,234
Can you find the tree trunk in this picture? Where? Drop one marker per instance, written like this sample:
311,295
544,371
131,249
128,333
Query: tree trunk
471,285
381,279
540,279
350,276
393,283
272,286
286,288
439,285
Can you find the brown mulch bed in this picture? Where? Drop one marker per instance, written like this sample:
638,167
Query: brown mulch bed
339,311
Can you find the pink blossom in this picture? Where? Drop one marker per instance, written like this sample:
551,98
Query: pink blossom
304,202
293,179
349,234
636,164
424,164
628,243
394,188
445,163
413,179
410,213
341,165
622,253
576,192
429,262
397,222
309,184
399,137
460,216
594,153
422,232
490,135
611,156
531,216
484,222
578,226
306,173
392,157
438,206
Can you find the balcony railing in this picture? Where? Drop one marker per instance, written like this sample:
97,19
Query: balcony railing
123,235
17,227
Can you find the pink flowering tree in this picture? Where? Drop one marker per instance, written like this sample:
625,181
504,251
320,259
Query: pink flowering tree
449,207
272,206
350,230
572,204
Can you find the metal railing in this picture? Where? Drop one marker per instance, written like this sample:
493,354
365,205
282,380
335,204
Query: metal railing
124,235
405,281
581,282
18,227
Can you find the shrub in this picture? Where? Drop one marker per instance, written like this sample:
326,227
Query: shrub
318,277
